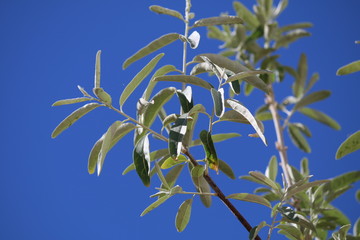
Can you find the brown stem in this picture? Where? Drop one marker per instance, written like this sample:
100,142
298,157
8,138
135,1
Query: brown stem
280,143
221,195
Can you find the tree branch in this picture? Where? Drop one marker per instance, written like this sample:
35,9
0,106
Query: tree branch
222,196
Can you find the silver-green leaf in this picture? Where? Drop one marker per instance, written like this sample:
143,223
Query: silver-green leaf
185,79
351,144
166,11
223,20
134,83
73,117
183,215
151,47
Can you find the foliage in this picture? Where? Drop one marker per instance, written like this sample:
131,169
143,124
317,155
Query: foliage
299,208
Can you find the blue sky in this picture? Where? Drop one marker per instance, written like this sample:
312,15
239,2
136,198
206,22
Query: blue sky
49,47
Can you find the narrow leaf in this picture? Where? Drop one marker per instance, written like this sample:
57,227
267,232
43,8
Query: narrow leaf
161,176
97,70
226,169
141,158
272,168
298,139
242,75
106,144
176,135
209,148
217,138
303,187
349,68
202,187
170,162
134,83
301,76
223,20
320,117
166,11
155,204
185,79
293,231
238,107
291,37
311,98
247,197
183,215
218,99
249,18
70,101
73,117
295,26
151,47
264,180
234,116
351,144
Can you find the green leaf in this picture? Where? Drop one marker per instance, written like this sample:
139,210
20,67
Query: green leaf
291,230
169,119
218,99
197,171
298,139
151,47
177,132
351,144
305,167
320,117
226,169
73,117
301,76
255,230
303,187
160,72
82,90
70,101
234,116
155,204
264,180
235,67
272,168
311,98
314,78
97,70
242,75
209,148
173,174
107,143
247,197
161,176
235,86
336,216
223,20
102,95
166,11
249,18
295,26
291,37
201,186
170,162
150,113
349,68
186,99
341,234
217,138
237,106
185,79
183,215
141,158
134,83
342,181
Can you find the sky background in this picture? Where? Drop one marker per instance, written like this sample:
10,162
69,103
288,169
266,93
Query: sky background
48,48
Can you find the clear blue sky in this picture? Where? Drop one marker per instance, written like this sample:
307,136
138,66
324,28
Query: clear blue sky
48,47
